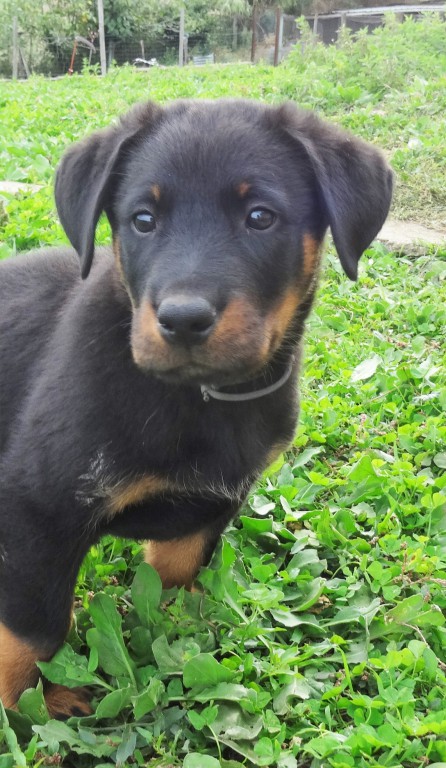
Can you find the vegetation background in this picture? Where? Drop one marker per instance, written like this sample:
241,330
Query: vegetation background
150,28
318,637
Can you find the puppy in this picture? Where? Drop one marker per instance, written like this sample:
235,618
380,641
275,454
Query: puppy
145,400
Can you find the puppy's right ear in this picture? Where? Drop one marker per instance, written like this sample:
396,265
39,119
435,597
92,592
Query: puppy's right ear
84,178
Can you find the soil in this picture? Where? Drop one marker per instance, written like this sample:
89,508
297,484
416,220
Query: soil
400,234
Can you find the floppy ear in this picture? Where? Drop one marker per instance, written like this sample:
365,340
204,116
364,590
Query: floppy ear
354,179
84,178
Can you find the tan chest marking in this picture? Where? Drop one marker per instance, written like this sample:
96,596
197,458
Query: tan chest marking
129,493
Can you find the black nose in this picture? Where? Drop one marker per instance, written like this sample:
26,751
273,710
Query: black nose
185,319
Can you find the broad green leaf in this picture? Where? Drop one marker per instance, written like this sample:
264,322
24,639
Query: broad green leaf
32,703
297,689
69,668
171,657
55,733
223,692
107,638
203,671
303,457
11,740
440,460
366,369
147,700
146,594
407,611
234,723
126,747
197,760
112,704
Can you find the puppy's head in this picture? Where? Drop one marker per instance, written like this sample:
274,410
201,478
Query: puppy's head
218,211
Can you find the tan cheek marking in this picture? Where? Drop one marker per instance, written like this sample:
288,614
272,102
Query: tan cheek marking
311,256
243,189
278,321
144,330
128,494
177,561
238,316
156,192
18,669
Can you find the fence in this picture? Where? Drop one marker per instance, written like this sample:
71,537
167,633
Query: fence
327,26
23,52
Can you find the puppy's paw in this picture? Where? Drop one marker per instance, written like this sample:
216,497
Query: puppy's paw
63,702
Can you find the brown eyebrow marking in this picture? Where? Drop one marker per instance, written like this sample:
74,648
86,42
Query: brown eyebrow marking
156,192
243,188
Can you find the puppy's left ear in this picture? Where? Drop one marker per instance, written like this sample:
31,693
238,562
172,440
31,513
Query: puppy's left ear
354,180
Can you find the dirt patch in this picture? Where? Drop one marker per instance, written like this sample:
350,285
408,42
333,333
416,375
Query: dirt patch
408,233
13,187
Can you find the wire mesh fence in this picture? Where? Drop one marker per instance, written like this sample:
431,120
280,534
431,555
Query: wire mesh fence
28,52
267,36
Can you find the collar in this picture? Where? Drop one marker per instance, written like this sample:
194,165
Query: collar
208,392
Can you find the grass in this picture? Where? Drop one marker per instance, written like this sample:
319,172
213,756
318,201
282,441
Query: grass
318,638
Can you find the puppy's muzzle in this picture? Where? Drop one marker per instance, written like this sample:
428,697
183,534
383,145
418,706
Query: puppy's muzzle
186,320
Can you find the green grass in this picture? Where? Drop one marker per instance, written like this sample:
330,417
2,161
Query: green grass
319,638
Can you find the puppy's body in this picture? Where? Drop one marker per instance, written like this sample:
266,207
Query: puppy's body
218,213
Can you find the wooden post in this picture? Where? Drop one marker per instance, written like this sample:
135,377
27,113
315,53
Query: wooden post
15,48
234,33
277,36
341,28
254,31
281,34
102,38
24,62
181,40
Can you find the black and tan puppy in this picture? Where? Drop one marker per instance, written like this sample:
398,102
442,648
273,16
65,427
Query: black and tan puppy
145,400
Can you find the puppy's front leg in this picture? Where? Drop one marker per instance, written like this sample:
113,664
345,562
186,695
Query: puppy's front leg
179,560
38,568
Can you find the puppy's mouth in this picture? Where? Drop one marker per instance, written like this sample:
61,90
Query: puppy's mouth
231,350
196,374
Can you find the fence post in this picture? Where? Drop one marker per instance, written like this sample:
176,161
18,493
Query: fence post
277,41
181,40
341,28
254,31
15,48
102,38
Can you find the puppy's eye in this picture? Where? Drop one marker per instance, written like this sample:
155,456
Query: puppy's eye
260,218
144,222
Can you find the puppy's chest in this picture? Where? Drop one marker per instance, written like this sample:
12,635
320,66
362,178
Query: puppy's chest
174,478
110,487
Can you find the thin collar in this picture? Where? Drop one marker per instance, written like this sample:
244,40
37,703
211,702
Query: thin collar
208,392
